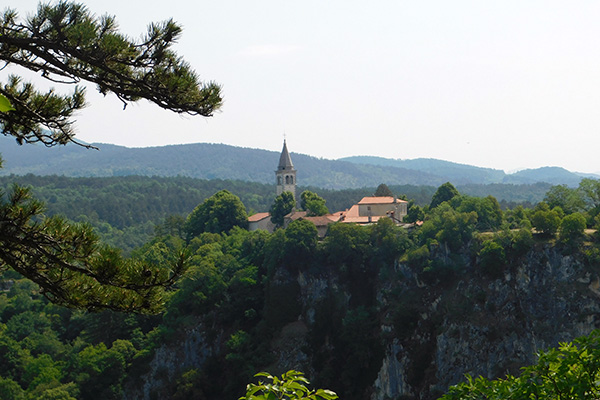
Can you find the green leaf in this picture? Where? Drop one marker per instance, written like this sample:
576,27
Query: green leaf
327,394
264,374
5,105
252,390
271,396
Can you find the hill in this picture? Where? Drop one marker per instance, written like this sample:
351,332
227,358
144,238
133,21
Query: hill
553,175
218,161
199,160
455,173
462,174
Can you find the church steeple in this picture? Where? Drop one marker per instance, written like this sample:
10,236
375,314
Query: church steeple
285,161
285,173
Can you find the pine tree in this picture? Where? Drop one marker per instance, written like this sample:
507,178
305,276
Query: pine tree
68,44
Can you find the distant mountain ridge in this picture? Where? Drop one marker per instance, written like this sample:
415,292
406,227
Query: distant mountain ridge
219,161
468,174
456,173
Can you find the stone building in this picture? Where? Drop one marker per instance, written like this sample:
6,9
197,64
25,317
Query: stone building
261,221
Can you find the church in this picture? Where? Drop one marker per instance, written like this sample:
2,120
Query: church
368,211
285,173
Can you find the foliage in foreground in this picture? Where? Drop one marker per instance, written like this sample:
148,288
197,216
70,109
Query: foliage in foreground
68,44
570,372
71,267
291,386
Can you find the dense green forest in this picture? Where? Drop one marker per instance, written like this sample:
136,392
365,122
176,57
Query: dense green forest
242,295
125,210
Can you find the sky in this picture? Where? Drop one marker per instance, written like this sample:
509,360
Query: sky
505,84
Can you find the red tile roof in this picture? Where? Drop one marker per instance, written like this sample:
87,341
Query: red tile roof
362,220
258,217
294,215
381,200
352,212
322,220
352,215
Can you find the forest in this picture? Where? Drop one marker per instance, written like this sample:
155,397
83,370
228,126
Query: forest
124,210
244,295
475,298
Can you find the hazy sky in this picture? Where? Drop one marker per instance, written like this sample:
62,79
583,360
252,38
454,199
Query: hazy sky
504,84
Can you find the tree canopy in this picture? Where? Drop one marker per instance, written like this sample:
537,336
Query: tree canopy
444,193
570,200
313,203
572,228
383,190
219,213
546,220
489,214
283,205
68,44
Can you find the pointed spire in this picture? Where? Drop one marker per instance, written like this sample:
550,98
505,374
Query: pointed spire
285,161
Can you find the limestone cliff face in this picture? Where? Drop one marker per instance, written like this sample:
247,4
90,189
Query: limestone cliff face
493,327
170,360
428,335
391,380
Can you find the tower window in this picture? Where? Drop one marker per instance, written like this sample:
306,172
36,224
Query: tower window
279,180
287,179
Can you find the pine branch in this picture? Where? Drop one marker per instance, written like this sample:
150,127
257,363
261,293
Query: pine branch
70,266
68,45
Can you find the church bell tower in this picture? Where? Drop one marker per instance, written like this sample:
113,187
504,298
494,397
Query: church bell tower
285,173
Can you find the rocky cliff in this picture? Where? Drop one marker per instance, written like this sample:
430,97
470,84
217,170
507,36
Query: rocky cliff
493,327
393,335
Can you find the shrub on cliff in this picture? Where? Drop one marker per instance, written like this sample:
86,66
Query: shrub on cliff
545,220
572,228
492,259
570,372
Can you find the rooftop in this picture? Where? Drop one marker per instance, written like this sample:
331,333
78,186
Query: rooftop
258,217
285,161
352,215
381,200
322,220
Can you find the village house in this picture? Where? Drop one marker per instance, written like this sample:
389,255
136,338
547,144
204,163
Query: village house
321,222
371,209
262,221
